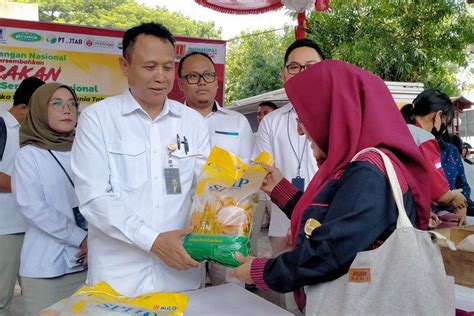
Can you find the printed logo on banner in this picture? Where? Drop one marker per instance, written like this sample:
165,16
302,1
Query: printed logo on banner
26,37
211,51
180,51
2,40
120,45
89,42
51,39
92,42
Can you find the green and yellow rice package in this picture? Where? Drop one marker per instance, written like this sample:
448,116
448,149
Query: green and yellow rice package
102,300
221,213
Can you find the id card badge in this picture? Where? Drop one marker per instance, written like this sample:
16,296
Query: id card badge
81,222
172,181
298,183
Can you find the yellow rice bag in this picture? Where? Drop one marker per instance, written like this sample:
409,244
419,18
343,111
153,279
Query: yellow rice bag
222,210
102,300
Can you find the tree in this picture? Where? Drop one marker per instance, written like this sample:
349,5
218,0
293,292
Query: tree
121,14
399,40
253,63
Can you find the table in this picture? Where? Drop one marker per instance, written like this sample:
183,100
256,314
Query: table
230,300
464,298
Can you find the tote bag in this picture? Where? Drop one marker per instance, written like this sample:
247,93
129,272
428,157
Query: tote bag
404,276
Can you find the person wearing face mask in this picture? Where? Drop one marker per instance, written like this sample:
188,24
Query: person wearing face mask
54,253
427,119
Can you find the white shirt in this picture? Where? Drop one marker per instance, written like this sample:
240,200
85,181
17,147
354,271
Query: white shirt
231,131
10,220
118,160
45,198
278,135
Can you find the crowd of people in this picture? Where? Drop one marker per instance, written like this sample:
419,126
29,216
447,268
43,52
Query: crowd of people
105,196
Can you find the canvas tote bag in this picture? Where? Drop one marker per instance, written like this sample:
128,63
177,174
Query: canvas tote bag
404,276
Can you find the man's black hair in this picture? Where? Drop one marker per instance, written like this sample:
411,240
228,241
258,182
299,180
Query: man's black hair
304,42
154,29
181,62
269,104
26,89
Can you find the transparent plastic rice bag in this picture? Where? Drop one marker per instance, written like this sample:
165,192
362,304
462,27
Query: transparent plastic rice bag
225,200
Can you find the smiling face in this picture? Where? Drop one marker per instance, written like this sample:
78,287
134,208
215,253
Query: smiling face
202,94
150,70
62,111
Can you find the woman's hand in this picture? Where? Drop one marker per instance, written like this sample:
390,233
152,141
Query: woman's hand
271,180
461,214
459,200
243,271
434,221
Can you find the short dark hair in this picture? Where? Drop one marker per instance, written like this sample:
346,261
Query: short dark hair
269,104
181,62
154,29
26,88
304,42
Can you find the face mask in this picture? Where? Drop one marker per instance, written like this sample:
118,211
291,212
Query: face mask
441,136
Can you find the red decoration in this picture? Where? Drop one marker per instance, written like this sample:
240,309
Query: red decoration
321,5
241,6
302,25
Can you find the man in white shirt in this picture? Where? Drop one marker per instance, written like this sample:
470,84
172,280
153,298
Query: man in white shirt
278,135
264,108
228,129
127,151
12,226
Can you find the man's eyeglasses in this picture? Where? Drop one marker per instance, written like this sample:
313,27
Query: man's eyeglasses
194,77
295,68
59,104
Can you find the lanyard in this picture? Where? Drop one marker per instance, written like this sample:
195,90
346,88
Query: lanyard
64,170
298,158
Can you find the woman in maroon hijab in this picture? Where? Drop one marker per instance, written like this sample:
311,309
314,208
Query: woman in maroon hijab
343,110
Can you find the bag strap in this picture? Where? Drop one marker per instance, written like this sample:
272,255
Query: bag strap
64,170
3,137
403,220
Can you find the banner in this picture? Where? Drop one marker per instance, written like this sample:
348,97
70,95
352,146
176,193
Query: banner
84,58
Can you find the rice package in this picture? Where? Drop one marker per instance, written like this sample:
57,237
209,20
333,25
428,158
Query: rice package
221,213
102,300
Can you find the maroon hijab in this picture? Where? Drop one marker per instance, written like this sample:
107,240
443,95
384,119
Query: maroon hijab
346,109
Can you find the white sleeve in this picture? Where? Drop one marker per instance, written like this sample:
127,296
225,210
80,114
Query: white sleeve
264,139
247,140
100,205
28,192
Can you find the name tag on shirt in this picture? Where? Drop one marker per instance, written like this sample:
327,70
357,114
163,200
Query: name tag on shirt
298,183
172,181
227,133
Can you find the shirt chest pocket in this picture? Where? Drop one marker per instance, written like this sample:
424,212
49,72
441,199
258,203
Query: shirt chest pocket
228,140
187,167
128,163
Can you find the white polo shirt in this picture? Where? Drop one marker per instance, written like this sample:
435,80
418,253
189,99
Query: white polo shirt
45,199
231,131
119,158
10,220
278,135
